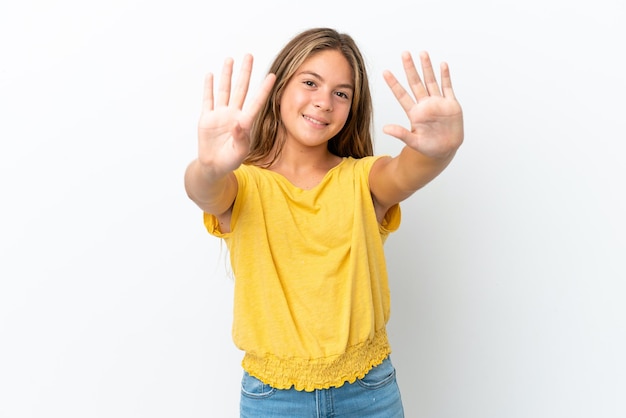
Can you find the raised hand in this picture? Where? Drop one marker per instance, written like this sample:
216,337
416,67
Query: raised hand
435,116
224,126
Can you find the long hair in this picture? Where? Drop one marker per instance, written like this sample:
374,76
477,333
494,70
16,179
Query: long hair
354,139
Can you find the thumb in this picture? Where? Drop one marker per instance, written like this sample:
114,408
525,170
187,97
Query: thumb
241,137
397,131
236,131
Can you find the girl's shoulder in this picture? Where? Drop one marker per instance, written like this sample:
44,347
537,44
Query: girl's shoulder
364,163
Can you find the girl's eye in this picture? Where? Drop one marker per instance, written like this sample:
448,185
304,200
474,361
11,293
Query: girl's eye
342,95
309,83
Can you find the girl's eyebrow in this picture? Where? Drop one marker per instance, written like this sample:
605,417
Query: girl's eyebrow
319,77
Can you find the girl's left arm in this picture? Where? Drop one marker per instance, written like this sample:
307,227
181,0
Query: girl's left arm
436,132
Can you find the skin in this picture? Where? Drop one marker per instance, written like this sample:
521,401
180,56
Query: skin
313,109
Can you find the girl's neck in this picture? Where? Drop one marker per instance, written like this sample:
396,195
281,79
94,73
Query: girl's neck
304,169
305,162
303,159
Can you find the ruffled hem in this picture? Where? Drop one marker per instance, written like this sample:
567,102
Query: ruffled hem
322,373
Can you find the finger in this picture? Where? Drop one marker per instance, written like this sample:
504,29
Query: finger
207,97
261,98
223,96
238,132
429,75
446,81
404,98
241,88
397,131
413,77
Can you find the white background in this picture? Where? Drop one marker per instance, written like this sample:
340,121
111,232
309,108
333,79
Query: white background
507,273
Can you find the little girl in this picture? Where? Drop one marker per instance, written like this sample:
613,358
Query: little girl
292,186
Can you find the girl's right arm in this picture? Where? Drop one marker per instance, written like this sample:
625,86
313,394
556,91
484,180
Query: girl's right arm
223,139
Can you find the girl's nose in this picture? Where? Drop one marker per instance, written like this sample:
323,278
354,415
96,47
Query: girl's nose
323,101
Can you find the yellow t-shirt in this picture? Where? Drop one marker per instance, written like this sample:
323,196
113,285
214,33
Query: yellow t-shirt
311,293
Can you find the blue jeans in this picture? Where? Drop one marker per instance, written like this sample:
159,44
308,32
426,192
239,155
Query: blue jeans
375,396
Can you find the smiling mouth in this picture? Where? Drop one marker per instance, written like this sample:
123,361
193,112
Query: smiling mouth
314,121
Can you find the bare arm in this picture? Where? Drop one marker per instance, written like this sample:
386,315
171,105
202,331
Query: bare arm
436,132
214,196
223,139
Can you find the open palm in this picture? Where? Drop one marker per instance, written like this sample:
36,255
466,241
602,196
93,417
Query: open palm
224,126
435,116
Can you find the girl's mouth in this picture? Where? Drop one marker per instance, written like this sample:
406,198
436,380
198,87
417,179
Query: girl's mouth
314,121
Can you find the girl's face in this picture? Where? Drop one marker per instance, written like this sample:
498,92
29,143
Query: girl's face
316,102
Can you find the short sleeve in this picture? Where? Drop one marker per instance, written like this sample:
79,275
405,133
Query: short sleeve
243,175
391,221
212,225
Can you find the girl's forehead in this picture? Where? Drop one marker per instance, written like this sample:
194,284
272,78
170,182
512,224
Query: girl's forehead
324,56
327,64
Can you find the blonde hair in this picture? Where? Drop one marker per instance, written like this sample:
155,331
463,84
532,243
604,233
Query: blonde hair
355,138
